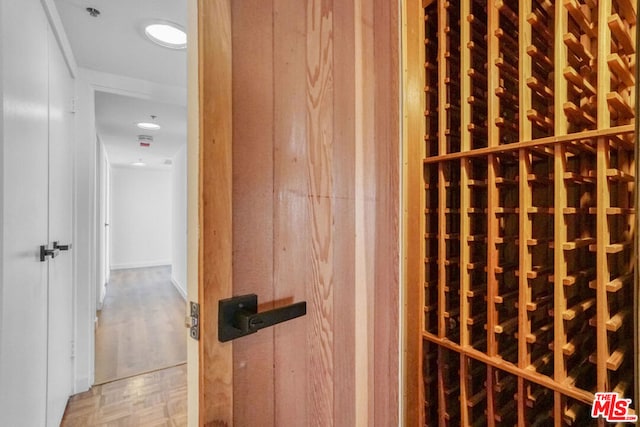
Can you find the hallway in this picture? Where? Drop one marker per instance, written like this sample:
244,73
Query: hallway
141,371
140,327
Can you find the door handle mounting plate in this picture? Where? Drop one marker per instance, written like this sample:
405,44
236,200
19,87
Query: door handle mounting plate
44,253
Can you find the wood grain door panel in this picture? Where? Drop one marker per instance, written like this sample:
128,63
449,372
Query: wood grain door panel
299,201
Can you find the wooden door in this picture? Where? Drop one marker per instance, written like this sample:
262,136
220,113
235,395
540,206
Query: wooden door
298,153
60,283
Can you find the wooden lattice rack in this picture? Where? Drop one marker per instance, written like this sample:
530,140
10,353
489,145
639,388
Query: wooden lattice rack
529,210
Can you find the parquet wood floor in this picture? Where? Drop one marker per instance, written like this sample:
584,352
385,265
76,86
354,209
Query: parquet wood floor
141,325
154,399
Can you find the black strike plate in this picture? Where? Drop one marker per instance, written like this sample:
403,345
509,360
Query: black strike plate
194,329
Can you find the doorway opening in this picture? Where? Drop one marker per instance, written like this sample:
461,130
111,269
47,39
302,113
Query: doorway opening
142,268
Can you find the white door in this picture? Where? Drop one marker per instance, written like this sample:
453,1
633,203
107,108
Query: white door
60,327
24,155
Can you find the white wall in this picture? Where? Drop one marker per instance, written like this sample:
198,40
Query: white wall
179,228
140,217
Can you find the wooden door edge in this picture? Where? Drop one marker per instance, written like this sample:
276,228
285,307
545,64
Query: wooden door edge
215,207
412,131
210,392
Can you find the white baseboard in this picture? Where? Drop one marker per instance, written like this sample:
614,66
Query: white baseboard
181,291
140,265
81,385
101,297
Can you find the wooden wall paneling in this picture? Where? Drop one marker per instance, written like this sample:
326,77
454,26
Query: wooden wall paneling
386,125
320,140
215,216
292,276
253,201
413,131
350,303
369,149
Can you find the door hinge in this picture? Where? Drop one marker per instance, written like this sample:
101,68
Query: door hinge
73,349
73,105
193,320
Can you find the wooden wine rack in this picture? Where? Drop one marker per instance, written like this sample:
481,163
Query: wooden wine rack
529,210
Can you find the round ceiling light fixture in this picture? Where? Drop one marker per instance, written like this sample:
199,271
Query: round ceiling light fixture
148,126
139,163
166,34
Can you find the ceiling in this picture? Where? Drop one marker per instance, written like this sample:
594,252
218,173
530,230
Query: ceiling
116,118
114,43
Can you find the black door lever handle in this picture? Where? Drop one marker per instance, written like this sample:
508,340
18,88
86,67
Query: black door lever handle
56,245
251,322
238,316
44,253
